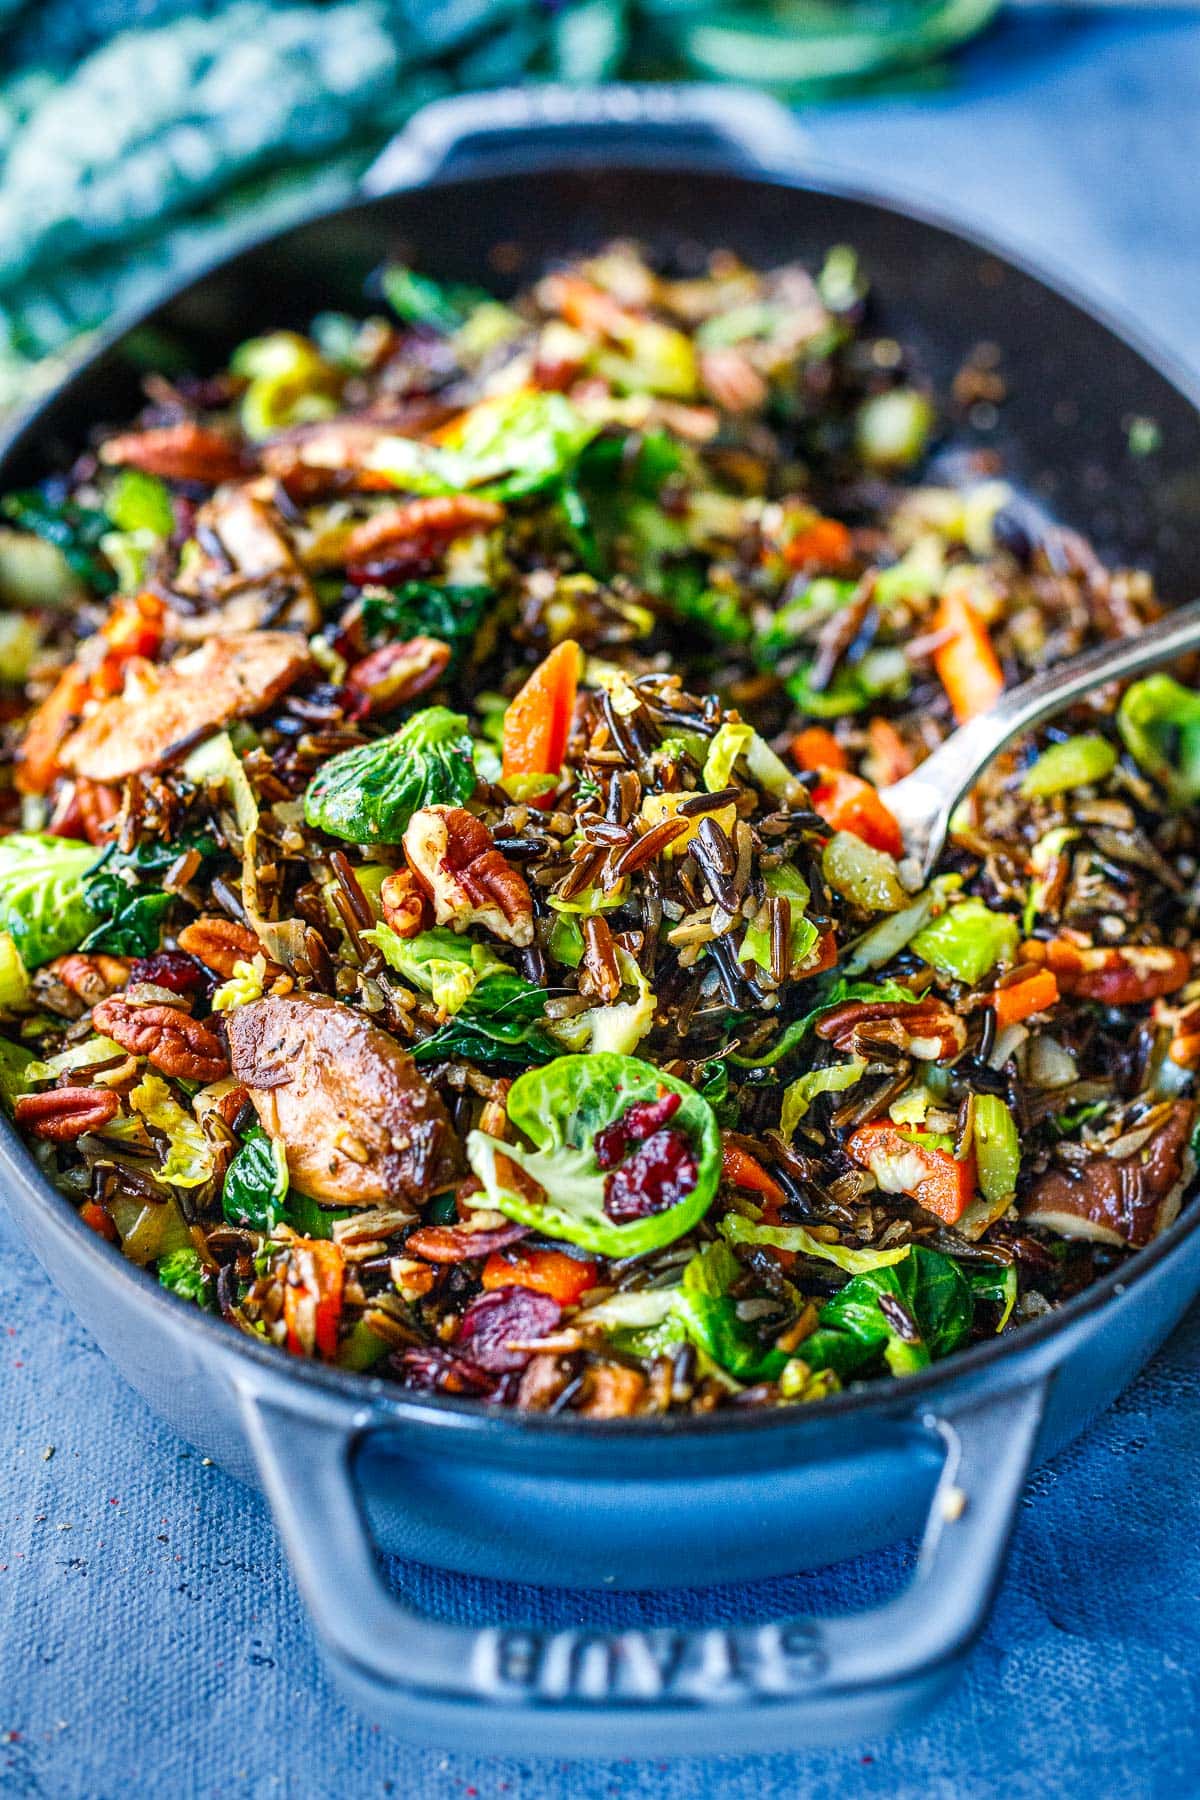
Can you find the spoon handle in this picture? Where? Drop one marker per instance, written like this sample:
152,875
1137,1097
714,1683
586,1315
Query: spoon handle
923,802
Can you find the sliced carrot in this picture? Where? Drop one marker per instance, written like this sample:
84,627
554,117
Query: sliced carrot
816,748
742,1170
891,756
966,663
51,724
901,1164
537,724
97,1220
1035,994
312,1297
849,803
565,1278
823,543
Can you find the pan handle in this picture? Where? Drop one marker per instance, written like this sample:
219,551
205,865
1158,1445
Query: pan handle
695,1690
702,122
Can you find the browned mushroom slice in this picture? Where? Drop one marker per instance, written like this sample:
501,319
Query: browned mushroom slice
1124,1200
360,1124
230,677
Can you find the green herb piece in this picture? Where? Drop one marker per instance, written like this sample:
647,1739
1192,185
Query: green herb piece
967,941
1078,762
561,1108
183,1272
369,794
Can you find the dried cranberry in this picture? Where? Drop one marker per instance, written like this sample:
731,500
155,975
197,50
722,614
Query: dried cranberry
661,1174
503,1316
438,1371
172,969
637,1123
419,556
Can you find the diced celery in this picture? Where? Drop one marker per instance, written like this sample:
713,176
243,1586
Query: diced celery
997,1148
867,878
1077,762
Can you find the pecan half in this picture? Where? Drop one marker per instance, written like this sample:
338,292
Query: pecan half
90,978
924,1029
184,452
65,1113
220,943
404,905
169,1039
398,673
431,522
451,854
1115,976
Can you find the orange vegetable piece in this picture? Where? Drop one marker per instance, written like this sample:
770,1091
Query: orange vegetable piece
565,1278
849,803
816,748
1021,999
742,1170
97,1220
932,1177
966,664
537,724
312,1298
892,758
824,542
50,726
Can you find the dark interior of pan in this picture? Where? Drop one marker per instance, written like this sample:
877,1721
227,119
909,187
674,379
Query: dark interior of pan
1090,426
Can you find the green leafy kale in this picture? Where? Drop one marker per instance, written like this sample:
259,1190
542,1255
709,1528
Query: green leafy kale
420,300
912,1312
73,529
422,609
128,904
256,1183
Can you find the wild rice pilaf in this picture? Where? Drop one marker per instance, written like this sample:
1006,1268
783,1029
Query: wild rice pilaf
450,924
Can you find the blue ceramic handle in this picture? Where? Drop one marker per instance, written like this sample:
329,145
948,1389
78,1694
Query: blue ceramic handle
626,123
702,1690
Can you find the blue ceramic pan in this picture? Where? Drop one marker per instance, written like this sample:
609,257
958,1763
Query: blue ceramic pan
351,1465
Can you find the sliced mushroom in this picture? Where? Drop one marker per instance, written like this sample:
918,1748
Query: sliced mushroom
1125,1200
360,1124
229,677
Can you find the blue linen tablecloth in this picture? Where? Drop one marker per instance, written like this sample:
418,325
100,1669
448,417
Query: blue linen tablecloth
151,1640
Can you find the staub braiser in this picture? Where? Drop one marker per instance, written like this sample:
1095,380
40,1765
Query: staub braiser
350,1465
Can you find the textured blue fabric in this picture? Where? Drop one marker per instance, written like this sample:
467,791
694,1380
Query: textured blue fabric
151,1641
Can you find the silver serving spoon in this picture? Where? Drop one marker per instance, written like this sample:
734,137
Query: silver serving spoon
923,802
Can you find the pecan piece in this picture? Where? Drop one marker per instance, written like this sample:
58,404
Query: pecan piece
65,1113
430,522
184,452
732,380
398,673
221,943
90,978
451,854
924,1029
1115,976
404,905
169,1039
